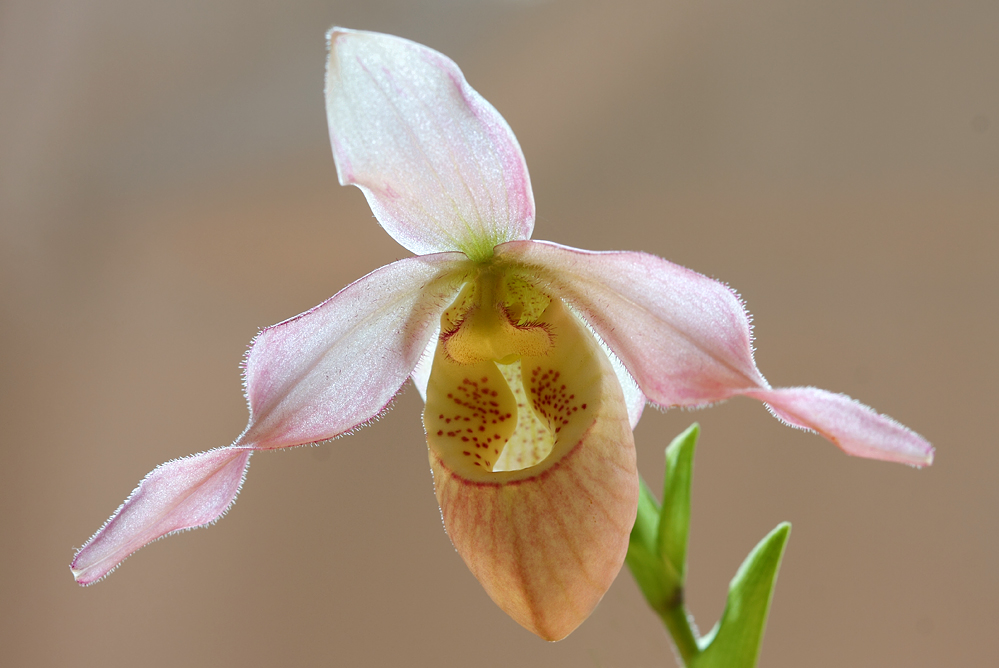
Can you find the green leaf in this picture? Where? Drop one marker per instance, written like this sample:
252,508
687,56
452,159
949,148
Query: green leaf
674,518
657,557
735,641
646,526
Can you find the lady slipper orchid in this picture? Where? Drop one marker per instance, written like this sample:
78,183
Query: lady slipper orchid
535,359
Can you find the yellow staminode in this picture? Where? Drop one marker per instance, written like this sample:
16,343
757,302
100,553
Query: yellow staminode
495,319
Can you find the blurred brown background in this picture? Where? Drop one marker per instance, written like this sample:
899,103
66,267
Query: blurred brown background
167,188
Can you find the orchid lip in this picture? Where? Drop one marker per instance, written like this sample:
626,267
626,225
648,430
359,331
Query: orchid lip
534,469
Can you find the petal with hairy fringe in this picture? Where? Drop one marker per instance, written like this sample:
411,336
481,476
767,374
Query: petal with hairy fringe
337,366
857,429
180,494
686,339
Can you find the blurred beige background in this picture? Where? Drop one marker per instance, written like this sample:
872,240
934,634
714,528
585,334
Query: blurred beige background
167,188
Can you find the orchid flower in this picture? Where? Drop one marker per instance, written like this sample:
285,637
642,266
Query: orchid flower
534,359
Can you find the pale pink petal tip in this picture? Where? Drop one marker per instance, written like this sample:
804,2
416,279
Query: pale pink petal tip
857,429
180,494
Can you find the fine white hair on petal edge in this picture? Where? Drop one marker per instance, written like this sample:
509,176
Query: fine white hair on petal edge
327,371
633,396
133,496
421,374
855,428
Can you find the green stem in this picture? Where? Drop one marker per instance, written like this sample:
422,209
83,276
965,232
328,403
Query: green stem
679,622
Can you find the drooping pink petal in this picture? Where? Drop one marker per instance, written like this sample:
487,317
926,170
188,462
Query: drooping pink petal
855,428
338,365
440,168
686,339
181,494
534,469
